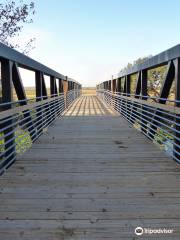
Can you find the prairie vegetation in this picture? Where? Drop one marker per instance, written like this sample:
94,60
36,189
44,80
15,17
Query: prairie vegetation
88,91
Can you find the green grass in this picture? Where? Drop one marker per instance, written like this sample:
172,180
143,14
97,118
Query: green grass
1,143
22,137
22,141
163,139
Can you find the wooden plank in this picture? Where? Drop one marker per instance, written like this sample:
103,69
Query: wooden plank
90,176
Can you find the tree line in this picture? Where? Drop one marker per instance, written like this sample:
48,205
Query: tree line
155,76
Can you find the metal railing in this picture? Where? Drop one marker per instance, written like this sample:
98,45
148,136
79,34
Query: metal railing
20,126
23,121
158,122
129,92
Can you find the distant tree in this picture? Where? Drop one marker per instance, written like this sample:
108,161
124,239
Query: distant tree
136,62
13,16
155,76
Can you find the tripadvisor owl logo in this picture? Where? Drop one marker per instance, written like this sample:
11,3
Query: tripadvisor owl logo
139,231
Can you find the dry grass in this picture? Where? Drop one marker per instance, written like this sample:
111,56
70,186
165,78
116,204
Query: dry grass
30,92
89,91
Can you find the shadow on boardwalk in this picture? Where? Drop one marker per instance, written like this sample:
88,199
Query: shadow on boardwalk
89,106
90,178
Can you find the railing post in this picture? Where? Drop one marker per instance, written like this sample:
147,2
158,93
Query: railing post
134,106
7,96
128,89
38,83
177,116
144,119
60,86
113,91
47,109
61,91
52,86
119,92
65,90
53,91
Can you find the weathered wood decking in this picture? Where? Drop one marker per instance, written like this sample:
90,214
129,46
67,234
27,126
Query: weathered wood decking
91,176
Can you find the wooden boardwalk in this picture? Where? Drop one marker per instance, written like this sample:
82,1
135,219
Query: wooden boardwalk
91,176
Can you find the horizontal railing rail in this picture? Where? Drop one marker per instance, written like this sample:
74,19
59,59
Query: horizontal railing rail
23,120
158,122
22,125
148,95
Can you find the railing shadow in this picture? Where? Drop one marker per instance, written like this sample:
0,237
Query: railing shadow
89,106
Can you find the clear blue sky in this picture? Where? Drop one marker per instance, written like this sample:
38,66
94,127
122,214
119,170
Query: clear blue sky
90,40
